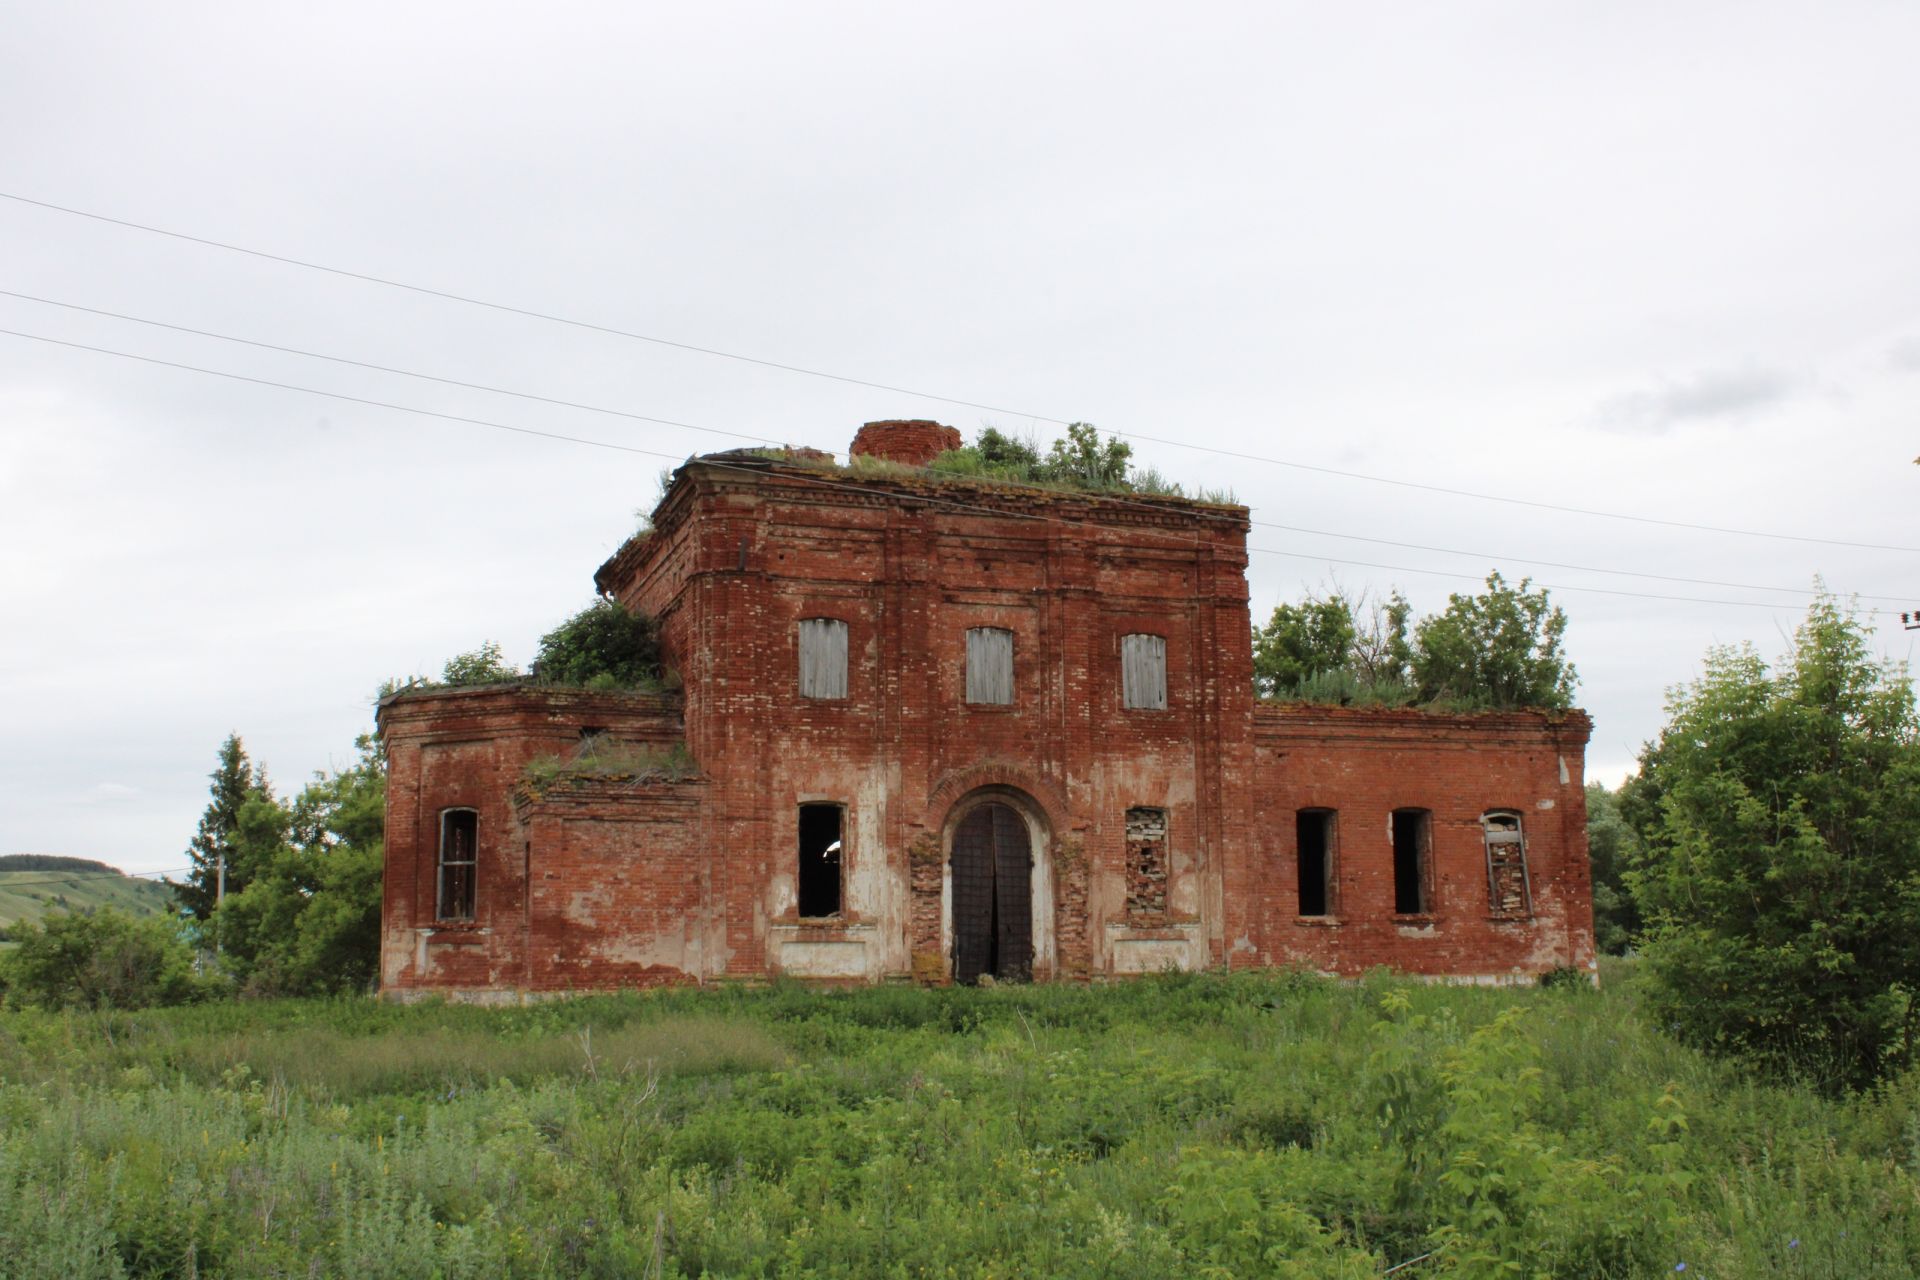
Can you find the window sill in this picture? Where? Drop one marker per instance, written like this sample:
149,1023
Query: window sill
1318,922
992,708
1415,919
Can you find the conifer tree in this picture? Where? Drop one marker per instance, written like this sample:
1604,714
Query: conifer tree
215,843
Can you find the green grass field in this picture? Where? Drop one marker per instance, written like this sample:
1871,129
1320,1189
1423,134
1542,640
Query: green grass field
1247,1125
33,884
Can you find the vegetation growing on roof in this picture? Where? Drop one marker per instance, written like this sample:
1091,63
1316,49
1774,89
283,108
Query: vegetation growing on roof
1496,650
605,646
602,759
1080,460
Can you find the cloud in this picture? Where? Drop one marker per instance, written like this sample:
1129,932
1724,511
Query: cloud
111,793
1904,354
1734,393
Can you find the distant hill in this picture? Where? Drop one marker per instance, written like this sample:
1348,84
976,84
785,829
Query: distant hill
32,884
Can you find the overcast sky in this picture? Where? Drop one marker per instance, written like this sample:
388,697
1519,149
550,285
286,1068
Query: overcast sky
1653,259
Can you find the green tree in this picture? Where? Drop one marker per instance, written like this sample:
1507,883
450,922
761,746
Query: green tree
1501,648
310,922
605,644
484,665
104,960
1612,848
1081,458
1781,878
1335,648
214,845
1302,641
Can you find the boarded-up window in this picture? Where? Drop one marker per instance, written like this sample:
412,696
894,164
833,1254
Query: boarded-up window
459,860
1146,865
823,658
1509,891
1143,672
990,666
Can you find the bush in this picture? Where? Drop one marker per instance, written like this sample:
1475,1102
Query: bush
484,665
1781,874
105,960
604,645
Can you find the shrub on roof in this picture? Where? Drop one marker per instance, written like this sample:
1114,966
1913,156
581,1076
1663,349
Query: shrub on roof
605,644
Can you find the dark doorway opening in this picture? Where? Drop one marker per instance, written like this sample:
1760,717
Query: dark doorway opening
1313,832
820,849
1411,896
992,896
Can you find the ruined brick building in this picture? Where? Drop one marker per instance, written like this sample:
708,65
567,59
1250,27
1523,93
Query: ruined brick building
937,727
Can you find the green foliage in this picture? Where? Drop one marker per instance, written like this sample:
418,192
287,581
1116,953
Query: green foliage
1189,1125
484,665
105,960
1302,641
1079,460
216,842
1781,879
1245,1124
1613,846
606,760
1501,648
1322,651
309,920
605,645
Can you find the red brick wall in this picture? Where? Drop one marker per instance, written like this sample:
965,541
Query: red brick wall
1364,764
605,886
916,442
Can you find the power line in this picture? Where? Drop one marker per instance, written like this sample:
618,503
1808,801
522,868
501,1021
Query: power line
510,309
668,422
552,318
855,486
382,368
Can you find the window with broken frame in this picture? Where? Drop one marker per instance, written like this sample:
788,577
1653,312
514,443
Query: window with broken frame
1509,888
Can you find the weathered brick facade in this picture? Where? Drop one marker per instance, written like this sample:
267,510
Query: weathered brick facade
640,873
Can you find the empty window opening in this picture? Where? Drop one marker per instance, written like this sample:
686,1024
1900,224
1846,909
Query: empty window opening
459,861
823,658
820,850
1313,832
1143,672
1509,890
1146,864
990,666
1411,893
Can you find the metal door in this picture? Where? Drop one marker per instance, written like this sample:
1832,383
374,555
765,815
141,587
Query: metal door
992,896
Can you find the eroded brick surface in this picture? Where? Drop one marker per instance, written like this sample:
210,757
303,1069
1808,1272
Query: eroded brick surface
607,882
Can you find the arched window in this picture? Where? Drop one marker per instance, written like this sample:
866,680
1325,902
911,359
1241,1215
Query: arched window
459,864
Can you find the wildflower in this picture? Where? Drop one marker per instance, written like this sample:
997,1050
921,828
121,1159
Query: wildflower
1679,1266
1794,1243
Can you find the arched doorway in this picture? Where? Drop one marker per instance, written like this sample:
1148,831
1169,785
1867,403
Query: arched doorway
992,895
